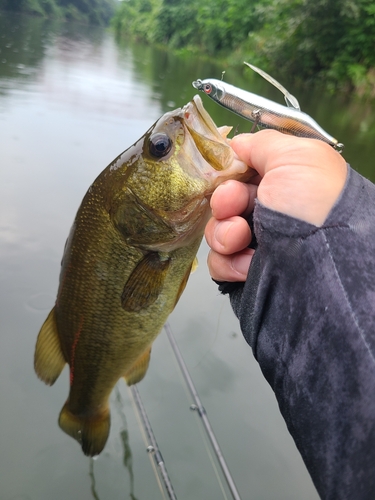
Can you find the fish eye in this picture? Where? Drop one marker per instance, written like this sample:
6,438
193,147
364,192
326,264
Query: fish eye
160,145
207,88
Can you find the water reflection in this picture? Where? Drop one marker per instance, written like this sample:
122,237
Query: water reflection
124,436
93,480
26,41
23,46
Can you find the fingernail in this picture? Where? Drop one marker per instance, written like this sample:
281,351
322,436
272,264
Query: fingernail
221,231
241,262
214,196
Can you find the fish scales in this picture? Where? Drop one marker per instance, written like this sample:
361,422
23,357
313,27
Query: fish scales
100,308
126,262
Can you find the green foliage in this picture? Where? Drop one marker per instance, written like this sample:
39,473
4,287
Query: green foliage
176,23
136,18
322,40
212,26
327,40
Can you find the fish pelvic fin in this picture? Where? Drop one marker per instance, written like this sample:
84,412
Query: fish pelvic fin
91,432
49,360
138,370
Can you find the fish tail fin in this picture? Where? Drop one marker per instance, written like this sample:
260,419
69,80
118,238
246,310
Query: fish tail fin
91,432
48,359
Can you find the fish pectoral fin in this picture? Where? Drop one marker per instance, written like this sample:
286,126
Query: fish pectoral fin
138,369
48,358
91,431
145,283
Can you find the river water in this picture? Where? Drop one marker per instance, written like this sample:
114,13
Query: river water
72,99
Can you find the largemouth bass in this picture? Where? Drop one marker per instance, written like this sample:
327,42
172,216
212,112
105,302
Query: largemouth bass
127,260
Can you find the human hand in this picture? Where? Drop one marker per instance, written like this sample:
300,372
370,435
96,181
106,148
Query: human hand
299,177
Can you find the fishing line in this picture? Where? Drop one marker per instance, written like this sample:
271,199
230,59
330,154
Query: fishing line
202,413
152,445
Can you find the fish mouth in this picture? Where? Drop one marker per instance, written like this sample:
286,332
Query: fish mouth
200,120
211,143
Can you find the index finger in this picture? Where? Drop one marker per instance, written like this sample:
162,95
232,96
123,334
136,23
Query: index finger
268,149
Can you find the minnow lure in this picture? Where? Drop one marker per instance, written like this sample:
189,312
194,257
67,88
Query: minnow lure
264,112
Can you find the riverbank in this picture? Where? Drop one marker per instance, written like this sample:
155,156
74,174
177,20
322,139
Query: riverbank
310,42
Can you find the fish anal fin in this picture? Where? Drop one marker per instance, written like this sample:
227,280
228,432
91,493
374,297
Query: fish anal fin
90,431
48,358
145,283
138,370
194,265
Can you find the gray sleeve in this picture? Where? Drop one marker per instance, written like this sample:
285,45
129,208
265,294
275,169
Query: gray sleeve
307,310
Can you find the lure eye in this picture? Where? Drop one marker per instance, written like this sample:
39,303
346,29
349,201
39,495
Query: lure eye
160,145
207,88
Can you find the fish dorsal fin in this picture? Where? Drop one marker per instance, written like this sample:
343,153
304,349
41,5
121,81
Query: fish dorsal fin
290,100
48,359
145,282
138,369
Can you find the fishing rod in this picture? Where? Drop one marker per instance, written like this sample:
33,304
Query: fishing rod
202,413
153,446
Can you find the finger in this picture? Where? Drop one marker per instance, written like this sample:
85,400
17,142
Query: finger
230,267
268,149
301,177
229,235
262,150
233,198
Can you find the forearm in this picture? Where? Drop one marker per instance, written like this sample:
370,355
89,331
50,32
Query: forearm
307,310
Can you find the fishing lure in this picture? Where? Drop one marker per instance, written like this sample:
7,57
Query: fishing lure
264,112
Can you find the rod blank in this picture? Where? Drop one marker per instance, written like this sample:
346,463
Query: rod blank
153,446
202,413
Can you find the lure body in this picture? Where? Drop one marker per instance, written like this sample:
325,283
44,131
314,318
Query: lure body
263,111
